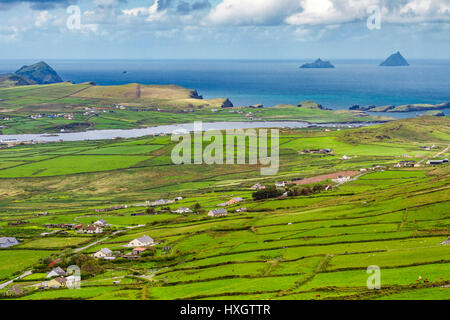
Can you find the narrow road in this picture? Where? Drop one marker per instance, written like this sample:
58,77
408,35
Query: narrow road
26,274
96,242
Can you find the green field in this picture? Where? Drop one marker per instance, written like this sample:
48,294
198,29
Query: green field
96,107
306,246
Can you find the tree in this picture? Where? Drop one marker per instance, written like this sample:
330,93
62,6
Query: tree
268,193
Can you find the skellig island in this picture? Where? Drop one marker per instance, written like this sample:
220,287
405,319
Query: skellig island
318,64
395,60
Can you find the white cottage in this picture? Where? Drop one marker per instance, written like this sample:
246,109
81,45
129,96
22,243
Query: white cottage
103,253
144,241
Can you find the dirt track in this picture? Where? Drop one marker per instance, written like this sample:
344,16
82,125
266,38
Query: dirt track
327,176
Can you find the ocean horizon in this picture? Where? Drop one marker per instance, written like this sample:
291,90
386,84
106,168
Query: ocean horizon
272,82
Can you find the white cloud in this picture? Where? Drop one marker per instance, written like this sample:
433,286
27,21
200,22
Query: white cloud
43,19
251,12
325,12
157,11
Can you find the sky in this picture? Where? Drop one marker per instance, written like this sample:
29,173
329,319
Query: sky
224,29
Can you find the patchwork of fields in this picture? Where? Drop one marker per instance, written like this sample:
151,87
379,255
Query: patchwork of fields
306,246
32,109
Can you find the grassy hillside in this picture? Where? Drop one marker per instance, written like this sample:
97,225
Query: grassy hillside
135,106
305,246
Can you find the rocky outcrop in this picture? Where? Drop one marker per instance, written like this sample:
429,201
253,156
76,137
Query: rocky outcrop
403,108
12,80
227,104
319,64
40,73
434,113
395,60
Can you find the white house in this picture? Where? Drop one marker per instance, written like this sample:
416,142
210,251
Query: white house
101,223
281,184
57,272
141,242
103,253
183,210
91,230
218,213
162,202
258,186
7,242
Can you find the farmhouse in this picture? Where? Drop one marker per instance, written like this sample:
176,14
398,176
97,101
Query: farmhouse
243,209
234,201
7,242
281,184
218,213
183,210
57,272
91,230
101,223
56,283
405,164
144,241
103,253
162,202
258,186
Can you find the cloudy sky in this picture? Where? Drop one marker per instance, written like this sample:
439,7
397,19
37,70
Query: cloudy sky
223,29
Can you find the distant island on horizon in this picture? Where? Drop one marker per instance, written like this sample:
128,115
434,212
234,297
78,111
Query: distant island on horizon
318,64
395,60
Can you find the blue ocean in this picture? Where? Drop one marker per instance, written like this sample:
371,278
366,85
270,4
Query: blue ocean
271,82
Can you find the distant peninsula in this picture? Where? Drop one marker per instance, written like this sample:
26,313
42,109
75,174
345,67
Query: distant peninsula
403,108
318,64
395,60
38,73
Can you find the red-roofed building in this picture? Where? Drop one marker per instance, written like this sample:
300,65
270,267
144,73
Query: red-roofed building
54,262
138,251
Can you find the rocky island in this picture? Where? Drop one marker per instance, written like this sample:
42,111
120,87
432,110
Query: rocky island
318,64
403,108
395,60
38,73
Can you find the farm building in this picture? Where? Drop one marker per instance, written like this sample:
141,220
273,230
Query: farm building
218,213
103,253
144,241
234,201
437,162
101,223
183,210
59,282
138,251
91,230
57,272
405,164
258,186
